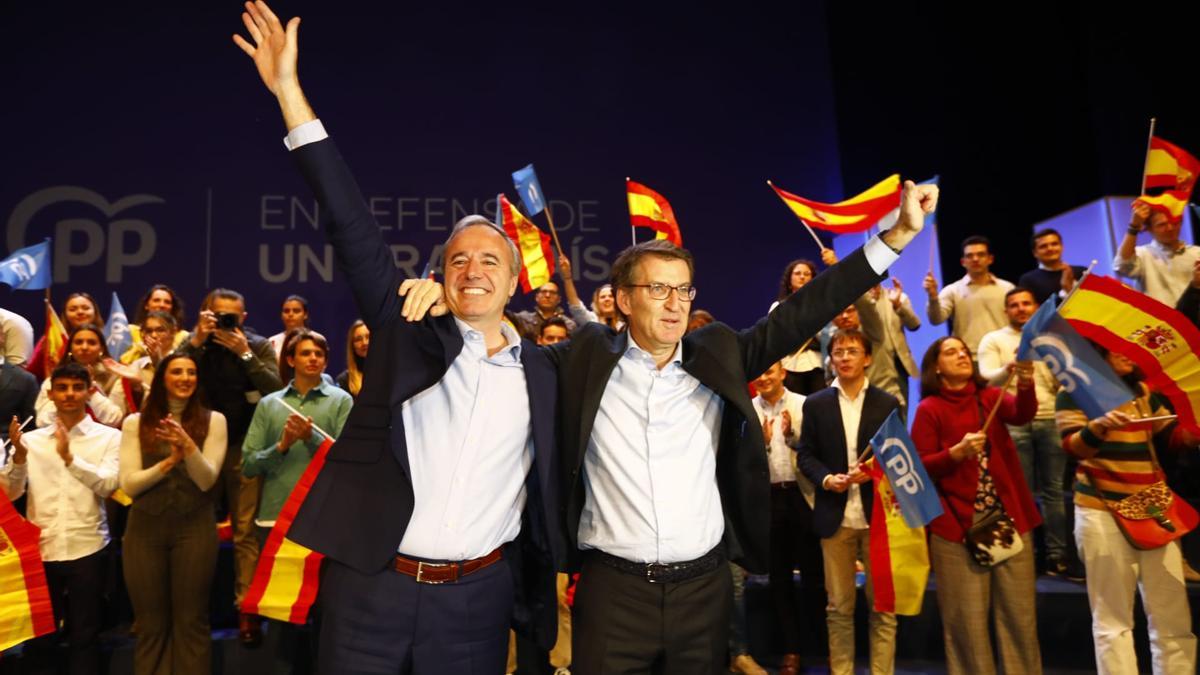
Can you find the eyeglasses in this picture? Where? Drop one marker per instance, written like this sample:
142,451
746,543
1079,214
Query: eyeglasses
547,292
685,292
843,353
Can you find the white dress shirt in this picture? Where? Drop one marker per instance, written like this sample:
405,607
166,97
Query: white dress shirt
854,517
469,451
108,409
781,453
67,502
1160,273
650,470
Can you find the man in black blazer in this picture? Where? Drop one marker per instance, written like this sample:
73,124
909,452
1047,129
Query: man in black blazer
838,424
437,507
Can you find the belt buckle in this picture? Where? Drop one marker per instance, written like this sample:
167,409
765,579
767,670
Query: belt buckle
652,568
421,571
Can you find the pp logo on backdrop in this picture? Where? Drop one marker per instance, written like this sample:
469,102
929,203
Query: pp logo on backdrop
1061,362
122,242
900,462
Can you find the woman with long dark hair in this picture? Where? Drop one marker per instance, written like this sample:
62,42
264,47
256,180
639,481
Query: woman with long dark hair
805,368
981,546
106,399
1118,460
171,455
78,309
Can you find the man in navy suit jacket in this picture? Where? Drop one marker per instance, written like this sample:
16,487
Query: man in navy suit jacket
437,507
838,424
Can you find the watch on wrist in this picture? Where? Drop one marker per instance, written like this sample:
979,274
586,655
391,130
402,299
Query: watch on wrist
247,356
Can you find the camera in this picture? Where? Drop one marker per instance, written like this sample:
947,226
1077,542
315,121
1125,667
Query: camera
227,321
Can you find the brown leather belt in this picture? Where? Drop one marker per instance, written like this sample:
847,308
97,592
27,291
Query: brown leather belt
442,573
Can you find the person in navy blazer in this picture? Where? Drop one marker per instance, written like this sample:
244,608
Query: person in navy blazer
375,619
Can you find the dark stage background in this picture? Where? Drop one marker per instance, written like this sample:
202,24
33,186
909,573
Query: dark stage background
140,138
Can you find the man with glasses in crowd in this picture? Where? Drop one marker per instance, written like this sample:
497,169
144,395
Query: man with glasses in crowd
547,306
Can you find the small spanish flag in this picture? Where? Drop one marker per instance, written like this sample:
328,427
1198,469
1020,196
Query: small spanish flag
56,339
1170,167
855,214
537,257
649,209
287,576
25,609
899,554
1159,339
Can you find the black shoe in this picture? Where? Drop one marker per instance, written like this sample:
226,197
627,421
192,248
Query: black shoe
1057,567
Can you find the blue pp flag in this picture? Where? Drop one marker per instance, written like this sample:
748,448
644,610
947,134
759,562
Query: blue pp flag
1083,374
27,269
529,190
116,332
915,493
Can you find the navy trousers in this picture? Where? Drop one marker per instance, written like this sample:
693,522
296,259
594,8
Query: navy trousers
388,623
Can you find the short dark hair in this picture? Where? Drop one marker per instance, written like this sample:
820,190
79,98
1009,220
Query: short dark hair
931,382
1017,290
625,264
222,294
975,240
848,336
1044,232
291,340
554,321
70,370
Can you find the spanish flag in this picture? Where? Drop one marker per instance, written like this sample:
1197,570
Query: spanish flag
56,339
286,579
1159,339
649,209
1170,167
25,609
855,214
899,554
537,257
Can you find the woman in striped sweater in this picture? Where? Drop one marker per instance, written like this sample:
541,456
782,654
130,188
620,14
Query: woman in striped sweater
1116,459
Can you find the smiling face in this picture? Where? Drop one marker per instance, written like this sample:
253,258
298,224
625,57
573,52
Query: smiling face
293,315
849,358
479,277
79,311
1162,229
770,383
160,301
656,325
308,359
801,274
85,347
606,304
1019,307
1048,250
361,341
180,379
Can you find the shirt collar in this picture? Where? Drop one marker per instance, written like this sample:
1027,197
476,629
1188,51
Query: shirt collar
967,281
85,427
512,340
319,389
1169,251
635,351
837,384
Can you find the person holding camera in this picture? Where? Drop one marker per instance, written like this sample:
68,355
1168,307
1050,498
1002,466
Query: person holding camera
236,368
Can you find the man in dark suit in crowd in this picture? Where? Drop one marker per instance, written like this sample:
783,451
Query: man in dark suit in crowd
437,505
839,422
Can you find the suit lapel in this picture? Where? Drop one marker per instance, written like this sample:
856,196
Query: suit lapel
599,370
842,462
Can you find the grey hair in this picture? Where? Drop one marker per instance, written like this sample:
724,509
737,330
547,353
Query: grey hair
476,220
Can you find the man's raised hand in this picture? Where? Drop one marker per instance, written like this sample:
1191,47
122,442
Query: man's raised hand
916,202
421,296
274,49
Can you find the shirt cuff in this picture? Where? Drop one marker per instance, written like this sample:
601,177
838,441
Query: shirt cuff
879,255
16,471
309,132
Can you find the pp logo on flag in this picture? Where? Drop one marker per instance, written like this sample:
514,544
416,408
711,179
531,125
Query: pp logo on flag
23,267
901,465
1062,364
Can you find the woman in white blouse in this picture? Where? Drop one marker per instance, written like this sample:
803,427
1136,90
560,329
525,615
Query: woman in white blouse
108,399
171,456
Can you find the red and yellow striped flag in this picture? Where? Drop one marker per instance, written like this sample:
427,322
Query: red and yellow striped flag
899,554
1159,339
855,214
537,257
1173,168
287,576
649,209
56,339
25,609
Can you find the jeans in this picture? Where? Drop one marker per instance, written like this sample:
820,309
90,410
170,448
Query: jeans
1043,462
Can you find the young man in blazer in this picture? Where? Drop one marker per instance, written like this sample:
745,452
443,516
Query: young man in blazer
839,422
437,507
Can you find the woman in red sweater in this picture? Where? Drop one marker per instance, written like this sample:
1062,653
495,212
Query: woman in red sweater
973,471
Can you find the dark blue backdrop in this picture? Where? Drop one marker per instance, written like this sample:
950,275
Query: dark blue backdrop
143,142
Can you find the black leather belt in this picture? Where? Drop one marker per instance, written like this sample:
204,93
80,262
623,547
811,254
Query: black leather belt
785,485
662,573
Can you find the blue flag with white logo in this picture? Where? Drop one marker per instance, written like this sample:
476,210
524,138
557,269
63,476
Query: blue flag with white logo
1083,373
529,190
116,332
27,269
915,493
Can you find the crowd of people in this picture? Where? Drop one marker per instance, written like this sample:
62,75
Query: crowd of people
599,478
